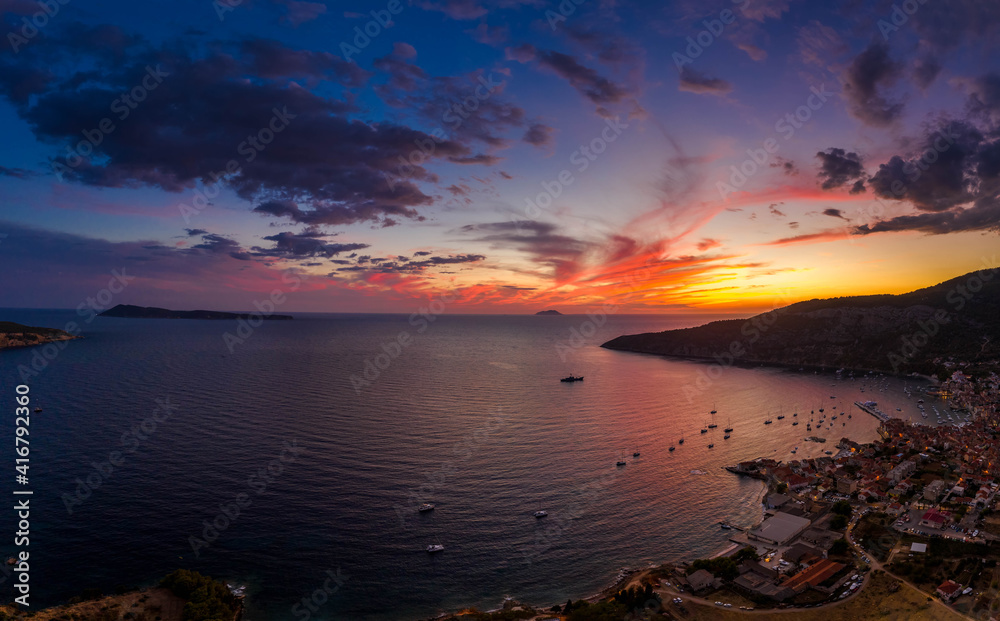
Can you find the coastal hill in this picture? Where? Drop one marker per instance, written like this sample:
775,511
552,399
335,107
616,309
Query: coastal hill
917,332
151,312
17,335
548,312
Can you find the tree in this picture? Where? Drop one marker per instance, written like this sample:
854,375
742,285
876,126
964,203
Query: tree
208,599
782,488
840,546
838,522
721,567
842,507
749,553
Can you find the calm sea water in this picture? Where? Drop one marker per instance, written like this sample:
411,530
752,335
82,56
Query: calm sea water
470,416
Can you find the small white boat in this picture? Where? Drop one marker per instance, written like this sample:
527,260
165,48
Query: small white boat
431,549
425,507
541,514
38,409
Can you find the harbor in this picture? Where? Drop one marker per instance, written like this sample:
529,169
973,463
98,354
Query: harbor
872,408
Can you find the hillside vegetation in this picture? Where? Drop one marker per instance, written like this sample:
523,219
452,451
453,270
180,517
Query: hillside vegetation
920,331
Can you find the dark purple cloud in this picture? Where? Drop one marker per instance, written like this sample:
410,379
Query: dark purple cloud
838,168
944,26
490,35
197,120
309,243
692,81
17,173
540,240
474,9
865,79
984,98
271,60
608,47
401,265
471,110
298,12
942,172
925,70
982,216
588,82
539,135
953,175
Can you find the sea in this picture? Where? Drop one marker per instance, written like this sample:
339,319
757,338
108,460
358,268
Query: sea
290,457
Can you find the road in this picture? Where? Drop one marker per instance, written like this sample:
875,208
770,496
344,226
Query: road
875,564
669,593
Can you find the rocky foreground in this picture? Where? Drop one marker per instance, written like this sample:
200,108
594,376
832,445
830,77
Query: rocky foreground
926,331
18,335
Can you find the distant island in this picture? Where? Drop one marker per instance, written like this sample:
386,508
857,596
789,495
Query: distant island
927,331
548,312
151,312
18,335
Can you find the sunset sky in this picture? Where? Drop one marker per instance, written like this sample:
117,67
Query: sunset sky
694,156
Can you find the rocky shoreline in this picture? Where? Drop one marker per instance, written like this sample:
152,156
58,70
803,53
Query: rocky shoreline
17,335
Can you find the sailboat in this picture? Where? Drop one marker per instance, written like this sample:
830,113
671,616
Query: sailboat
621,460
673,448
729,426
636,453
713,409
681,441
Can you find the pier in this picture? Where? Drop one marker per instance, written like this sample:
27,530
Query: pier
871,408
753,474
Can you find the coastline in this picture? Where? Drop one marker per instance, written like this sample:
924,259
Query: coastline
15,336
750,364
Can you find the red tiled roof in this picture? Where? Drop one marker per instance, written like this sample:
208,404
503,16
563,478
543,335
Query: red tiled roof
949,587
814,574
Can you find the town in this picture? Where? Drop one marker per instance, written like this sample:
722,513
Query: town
916,507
